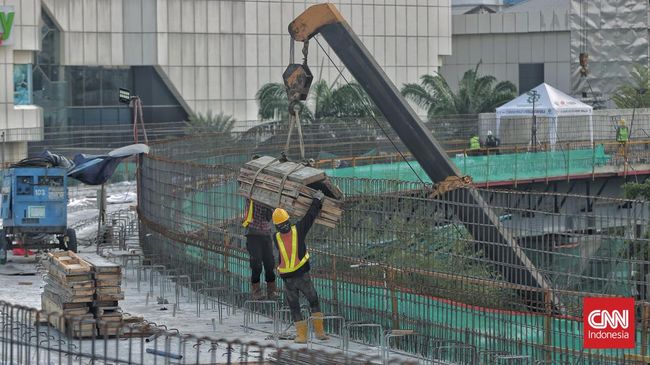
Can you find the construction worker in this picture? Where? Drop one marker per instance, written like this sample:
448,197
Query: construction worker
474,146
622,136
260,248
294,267
492,142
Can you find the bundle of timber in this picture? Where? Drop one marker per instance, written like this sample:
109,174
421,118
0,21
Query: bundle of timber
68,293
108,292
290,185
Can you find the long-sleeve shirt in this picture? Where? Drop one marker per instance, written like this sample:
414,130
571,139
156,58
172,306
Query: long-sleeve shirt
261,223
302,228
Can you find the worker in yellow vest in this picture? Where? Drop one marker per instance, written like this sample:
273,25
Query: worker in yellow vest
474,146
294,267
257,224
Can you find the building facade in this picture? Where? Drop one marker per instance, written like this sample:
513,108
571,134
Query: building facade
192,56
20,120
541,41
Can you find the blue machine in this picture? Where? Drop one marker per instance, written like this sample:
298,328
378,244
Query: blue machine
34,208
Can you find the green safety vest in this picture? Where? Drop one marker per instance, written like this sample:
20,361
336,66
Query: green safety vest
622,134
474,143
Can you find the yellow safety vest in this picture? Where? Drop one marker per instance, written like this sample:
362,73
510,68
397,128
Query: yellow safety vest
249,216
474,143
287,266
622,134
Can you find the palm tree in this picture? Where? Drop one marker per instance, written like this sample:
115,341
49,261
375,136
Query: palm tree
476,94
348,100
330,111
210,123
633,94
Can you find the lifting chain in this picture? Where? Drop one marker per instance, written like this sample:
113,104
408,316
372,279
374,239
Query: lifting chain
305,52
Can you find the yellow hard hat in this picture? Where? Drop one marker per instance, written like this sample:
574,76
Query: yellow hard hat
280,216
622,122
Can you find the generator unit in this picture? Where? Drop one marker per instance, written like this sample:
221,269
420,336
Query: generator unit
34,210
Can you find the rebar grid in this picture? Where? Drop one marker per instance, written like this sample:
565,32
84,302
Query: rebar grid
27,338
401,259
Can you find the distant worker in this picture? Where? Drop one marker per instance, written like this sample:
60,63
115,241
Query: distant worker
492,142
294,267
260,248
474,146
622,136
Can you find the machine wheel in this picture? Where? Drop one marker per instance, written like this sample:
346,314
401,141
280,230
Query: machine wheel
72,240
4,245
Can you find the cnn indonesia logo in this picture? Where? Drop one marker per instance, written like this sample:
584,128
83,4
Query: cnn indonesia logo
608,323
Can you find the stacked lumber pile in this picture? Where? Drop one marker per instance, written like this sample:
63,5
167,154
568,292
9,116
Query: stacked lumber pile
69,291
108,292
290,186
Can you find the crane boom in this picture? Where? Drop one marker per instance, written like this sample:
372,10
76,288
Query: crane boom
470,208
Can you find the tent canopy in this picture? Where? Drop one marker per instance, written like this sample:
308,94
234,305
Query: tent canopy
549,103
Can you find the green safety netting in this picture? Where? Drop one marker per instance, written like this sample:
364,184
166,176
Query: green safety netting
491,168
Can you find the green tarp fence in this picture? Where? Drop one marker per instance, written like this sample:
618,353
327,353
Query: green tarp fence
492,168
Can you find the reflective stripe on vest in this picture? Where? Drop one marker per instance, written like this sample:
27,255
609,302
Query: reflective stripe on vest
289,265
249,216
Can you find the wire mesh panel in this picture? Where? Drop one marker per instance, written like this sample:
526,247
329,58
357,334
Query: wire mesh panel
27,337
401,258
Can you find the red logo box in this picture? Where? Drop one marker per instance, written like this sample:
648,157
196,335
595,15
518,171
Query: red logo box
608,323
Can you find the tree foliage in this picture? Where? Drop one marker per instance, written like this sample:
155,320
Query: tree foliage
210,123
637,190
628,95
324,101
476,94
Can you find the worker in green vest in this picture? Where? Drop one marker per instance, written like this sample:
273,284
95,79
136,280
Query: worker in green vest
622,133
474,146
622,137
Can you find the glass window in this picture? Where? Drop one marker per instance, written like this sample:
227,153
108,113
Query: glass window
75,79
92,87
112,81
23,84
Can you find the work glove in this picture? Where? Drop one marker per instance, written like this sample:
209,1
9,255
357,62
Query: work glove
319,195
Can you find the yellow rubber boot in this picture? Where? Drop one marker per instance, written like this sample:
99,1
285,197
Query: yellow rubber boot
301,332
319,331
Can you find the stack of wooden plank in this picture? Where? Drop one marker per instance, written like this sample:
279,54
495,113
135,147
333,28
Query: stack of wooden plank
68,292
108,292
290,186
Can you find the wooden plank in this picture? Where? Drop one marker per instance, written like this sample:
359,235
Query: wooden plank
105,303
108,290
62,276
297,172
75,285
50,304
100,297
103,277
65,306
69,262
248,176
245,189
100,264
103,283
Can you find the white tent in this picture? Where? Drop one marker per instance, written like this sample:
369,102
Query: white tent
550,103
